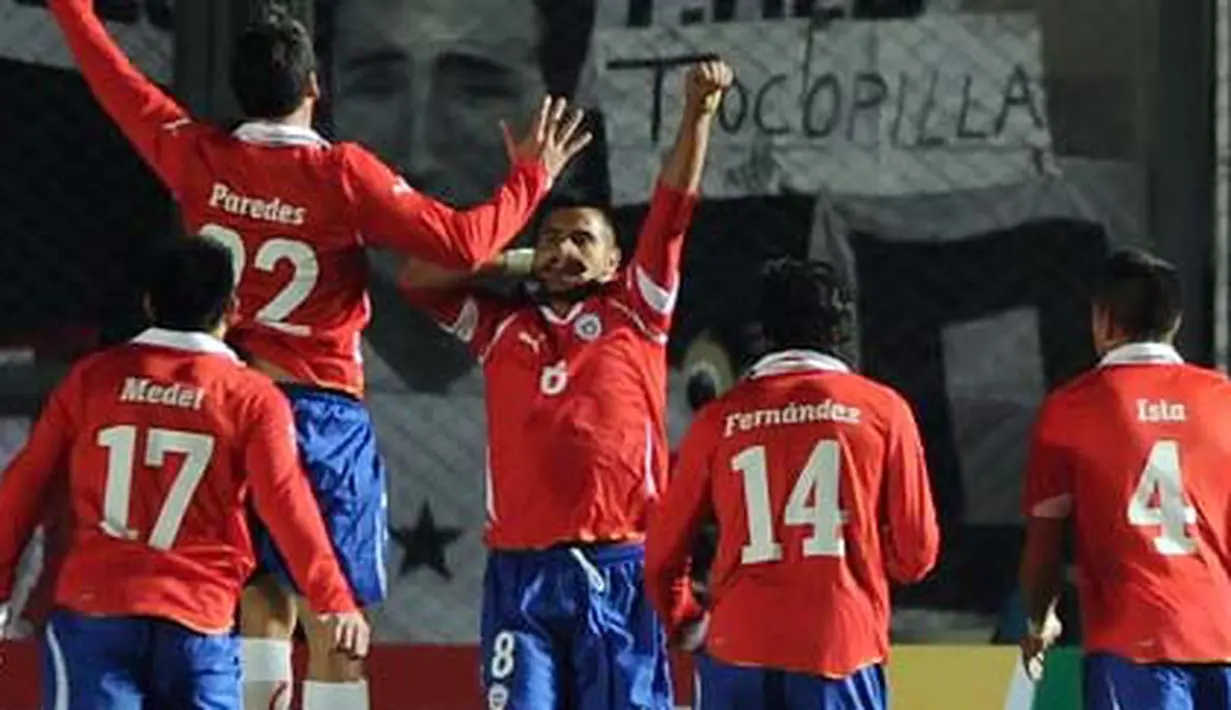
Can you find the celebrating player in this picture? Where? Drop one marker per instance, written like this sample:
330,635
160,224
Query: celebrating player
296,213
163,440
1132,457
817,480
576,390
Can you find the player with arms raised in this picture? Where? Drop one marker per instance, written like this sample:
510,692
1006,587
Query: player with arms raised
818,483
576,399
164,440
1131,458
296,213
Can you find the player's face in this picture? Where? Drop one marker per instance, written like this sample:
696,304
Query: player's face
575,248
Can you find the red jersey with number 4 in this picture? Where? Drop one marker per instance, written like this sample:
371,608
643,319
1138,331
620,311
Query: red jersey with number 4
295,211
576,403
1136,455
817,480
163,440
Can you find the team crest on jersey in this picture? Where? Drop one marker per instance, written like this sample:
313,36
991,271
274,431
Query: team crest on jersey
588,327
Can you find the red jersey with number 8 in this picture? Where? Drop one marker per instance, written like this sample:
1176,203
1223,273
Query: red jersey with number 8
1136,453
163,441
295,211
817,479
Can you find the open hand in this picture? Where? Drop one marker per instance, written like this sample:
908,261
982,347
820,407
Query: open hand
555,136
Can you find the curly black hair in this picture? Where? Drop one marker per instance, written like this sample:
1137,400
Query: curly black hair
805,304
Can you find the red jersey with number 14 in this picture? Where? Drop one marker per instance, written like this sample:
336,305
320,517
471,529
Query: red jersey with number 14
295,211
1136,455
817,480
163,440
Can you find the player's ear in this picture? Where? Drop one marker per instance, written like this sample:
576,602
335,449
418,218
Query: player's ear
312,91
147,306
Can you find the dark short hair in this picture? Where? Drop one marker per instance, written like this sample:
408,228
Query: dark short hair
805,304
1141,294
190,285
272,65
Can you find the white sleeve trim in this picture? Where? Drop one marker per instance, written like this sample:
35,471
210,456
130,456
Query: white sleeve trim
655,295
1054,508
654,335
500,328
467,322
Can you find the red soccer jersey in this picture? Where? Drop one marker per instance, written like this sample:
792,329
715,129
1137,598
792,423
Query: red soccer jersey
576,403
1135,453
162,440
295,211
817,480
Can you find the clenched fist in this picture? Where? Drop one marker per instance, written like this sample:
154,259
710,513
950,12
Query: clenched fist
705,85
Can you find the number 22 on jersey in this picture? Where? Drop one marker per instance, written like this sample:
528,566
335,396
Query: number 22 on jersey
307,271
813,502
121,445
1159,501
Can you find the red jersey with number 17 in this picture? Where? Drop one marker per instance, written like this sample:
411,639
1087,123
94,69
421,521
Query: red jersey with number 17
163,441
817,480
1136,454
295,211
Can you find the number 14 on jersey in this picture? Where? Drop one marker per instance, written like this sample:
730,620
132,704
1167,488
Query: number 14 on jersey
813,502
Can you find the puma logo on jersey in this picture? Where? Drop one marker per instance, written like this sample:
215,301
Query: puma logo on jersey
533,342
223,198
142,390
1160,410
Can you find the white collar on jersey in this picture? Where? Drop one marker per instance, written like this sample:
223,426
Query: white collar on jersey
1142,354
277,134
785,361
191,341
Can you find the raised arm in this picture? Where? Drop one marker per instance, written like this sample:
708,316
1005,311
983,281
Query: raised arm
655,273
25,483
912,537
390,213
154,124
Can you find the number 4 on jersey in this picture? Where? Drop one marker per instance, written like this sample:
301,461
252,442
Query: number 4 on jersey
1159,501
813,502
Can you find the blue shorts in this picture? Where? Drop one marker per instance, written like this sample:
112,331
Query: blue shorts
722,686
1114,683
572,628
337,447
132,663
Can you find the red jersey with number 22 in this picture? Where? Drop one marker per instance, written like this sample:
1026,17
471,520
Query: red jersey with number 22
1136,455
163,441
817,479
295,211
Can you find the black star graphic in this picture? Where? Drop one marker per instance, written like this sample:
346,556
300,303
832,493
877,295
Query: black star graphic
424,544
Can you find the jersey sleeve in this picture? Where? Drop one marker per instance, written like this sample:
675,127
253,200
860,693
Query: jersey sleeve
283,499
675,524
1049,484
390,213
156,126
911,534
27,481
476,320
652,278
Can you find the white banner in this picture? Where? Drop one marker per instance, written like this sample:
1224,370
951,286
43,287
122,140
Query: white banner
29,34
930,105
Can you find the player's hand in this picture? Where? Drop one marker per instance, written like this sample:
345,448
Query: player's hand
351,634
705,85
692,635
555,136
1036,642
